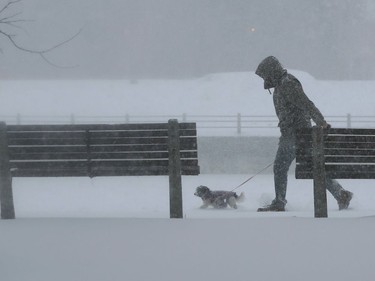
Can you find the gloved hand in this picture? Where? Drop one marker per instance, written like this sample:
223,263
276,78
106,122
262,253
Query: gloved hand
325,125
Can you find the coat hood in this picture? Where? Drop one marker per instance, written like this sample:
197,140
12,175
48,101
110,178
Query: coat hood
271,70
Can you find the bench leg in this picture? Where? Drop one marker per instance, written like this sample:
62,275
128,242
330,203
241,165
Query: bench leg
175,185
320,199
320,193
6,193
6,197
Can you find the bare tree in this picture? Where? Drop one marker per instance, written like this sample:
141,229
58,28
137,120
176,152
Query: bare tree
12,21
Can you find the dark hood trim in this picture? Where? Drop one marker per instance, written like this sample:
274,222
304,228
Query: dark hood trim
271,70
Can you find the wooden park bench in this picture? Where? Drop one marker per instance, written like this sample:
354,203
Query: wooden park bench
334,153
97,150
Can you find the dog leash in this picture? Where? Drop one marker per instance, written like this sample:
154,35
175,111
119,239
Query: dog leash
266,167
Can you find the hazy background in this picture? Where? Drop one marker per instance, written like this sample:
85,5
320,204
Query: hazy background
134,39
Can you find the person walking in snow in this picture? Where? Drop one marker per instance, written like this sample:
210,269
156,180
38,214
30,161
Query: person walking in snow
294,110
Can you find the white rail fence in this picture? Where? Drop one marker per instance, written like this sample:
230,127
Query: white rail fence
230,125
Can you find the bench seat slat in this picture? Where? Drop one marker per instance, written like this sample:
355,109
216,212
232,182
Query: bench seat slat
19,135
350,145
138,163
304,174
139,133
102,170
349,152
85,127
25,135
301,153
46,142
78,156
69,165
138,148
141,155
131,141
13,150
349,138
125,171
338,159
339,131
95,141
344,143
51,173
127,141
147,171
48,156
97,127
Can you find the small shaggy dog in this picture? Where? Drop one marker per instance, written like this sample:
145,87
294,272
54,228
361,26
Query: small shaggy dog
218,199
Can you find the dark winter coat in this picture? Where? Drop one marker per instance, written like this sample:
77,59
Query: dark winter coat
293,108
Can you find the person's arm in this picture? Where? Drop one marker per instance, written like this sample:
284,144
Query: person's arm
295,95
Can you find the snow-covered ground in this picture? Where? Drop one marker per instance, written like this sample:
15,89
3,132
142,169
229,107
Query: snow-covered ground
118,228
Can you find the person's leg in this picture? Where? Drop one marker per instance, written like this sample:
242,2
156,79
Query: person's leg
284,158
334,187
342,196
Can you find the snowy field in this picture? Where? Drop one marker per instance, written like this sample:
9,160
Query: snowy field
221,94
109,229
118,229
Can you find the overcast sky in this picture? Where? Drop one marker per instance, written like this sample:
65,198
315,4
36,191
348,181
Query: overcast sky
331,39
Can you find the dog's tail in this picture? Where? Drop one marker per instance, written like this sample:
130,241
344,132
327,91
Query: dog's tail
240,198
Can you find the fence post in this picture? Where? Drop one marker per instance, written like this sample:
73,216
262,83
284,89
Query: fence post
6,193
320,194
175,185
348,120
239,123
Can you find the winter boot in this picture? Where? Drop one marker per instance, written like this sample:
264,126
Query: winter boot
344,200
275,206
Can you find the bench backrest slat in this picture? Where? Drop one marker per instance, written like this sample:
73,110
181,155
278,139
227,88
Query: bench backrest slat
98,150
348,153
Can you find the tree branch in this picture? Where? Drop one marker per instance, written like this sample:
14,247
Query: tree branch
12,20
6,6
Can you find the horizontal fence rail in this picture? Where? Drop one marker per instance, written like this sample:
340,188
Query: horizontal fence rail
223,125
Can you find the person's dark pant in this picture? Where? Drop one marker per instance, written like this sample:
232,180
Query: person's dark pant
285,155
